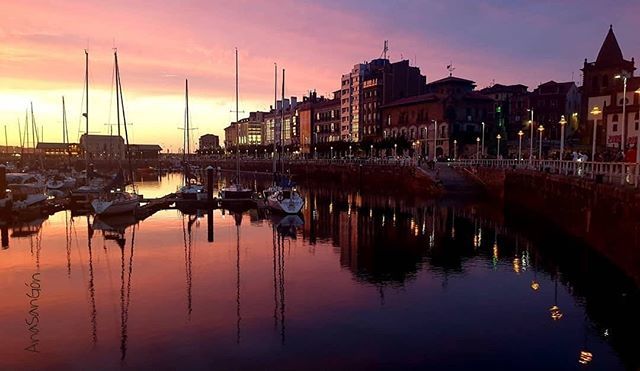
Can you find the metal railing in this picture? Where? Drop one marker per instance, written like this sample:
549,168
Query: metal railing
623,173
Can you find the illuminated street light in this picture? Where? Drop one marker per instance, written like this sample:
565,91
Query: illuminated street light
531,137
455,149
540,129
562,122
477,148
520,134
624,76
371,151
595,111
498,137
483,138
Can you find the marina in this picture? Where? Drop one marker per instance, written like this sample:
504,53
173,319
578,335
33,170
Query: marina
351,266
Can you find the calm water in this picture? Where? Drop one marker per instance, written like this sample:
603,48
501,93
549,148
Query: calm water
357,282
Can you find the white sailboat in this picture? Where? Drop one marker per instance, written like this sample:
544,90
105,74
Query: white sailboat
190,190
284,197
118,200
236,193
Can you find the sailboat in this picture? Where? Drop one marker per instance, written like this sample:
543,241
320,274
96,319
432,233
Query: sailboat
284,198
190,190
236,193
118,200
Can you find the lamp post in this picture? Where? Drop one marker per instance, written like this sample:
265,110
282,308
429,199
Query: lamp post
595,112
371,151
331,153
623,75
435,138
395,150
455,149
540,129
315,153
349,151
562,123
477,148
483,138
498,137
520,134
531,137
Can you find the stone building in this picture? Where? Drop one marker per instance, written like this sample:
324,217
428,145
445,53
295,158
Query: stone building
552,100
603,88
209,142
510,108
319,121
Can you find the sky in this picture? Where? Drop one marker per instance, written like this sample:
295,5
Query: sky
161,43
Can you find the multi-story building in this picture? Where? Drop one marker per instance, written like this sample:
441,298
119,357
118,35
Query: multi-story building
369,86
247,131
510,108
603,87
286,131
209,142
319,120
451,109
552,100
102,146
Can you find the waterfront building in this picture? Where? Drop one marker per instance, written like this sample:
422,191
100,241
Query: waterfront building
102,146
552,100
603,86
144,151
246,132
367,87
319,119
230,136
208,142
510,108
58,149
287,132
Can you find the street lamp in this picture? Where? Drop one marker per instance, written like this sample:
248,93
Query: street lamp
349,151
562,123
455,149
435,138
477,148
483,138
595,111
498,137
395,150
623,75
540,129
315,152
331,157
520,134
371,151
531,137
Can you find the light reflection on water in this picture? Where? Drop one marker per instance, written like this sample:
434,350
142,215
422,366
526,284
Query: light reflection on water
356,282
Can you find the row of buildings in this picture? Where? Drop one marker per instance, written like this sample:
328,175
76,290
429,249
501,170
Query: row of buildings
96,147
381,101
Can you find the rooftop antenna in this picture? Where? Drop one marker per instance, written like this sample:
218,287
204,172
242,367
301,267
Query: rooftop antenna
450,68
385,49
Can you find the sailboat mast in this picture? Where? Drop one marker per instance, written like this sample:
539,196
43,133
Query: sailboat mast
20,136
275,118
237,126
186,132
282,125
124,117
86,112
34,129
65,133
115,55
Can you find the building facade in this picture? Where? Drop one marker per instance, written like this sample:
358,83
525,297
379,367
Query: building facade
552,100
367,87
603,87
209,142
102,146
319,120
510,108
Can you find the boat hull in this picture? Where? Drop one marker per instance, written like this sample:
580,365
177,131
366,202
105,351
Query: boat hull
114,207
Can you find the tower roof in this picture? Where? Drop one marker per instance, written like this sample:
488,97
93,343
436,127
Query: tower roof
610,52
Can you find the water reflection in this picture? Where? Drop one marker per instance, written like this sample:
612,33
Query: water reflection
355,277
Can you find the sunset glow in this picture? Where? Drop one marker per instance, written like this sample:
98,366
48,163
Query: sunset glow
160,43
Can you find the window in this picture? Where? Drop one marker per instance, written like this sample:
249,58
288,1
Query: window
614,128
615,118
637,125
594,82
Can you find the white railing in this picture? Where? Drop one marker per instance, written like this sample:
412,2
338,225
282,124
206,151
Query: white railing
624,173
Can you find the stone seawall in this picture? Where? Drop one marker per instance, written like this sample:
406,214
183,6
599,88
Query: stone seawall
371,177
605,216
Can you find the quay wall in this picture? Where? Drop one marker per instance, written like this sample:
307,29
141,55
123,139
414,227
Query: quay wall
605,216
390,179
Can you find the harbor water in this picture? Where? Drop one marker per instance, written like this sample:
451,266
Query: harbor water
357,281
